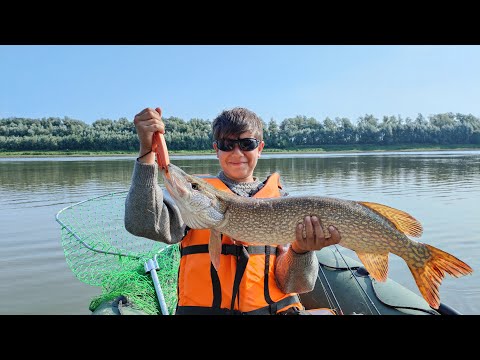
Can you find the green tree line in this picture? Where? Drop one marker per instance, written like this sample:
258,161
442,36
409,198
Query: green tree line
22,134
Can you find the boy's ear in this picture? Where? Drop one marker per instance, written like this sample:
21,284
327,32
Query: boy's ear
216,148
260,147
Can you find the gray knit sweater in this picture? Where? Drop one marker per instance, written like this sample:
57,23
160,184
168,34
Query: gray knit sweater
151,213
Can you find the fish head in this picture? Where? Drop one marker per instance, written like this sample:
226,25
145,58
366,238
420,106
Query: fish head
198,201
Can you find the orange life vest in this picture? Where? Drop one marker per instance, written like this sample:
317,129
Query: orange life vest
245,282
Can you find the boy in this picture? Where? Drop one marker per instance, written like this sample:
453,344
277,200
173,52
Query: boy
257,279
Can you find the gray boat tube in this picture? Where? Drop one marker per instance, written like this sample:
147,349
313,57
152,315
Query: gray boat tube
344,285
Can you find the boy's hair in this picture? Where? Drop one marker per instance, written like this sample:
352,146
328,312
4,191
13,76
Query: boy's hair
235,122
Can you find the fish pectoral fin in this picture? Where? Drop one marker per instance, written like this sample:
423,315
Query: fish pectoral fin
403,221
215,248
376,264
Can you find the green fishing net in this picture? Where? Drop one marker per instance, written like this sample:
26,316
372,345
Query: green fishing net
100,252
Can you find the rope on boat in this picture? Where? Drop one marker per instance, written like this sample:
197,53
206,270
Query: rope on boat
363,292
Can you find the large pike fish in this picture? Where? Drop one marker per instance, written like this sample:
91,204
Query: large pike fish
372,230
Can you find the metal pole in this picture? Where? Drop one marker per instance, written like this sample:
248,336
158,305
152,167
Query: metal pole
150,267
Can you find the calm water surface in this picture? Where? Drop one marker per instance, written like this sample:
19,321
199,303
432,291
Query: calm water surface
440,189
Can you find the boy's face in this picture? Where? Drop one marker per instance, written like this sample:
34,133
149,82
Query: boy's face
237,164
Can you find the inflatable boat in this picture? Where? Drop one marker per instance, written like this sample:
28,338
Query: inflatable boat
138,276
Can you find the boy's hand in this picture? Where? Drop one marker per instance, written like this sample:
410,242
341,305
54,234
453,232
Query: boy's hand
314,238
147,122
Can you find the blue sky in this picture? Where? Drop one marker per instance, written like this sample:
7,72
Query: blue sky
91,82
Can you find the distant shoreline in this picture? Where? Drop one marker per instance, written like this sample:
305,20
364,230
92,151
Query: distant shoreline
305,150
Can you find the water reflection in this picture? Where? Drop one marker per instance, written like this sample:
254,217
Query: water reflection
441,189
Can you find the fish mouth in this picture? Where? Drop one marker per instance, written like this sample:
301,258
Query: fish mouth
194,206
175,183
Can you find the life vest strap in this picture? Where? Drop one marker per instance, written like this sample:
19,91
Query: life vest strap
230,249
242,262
242,254
200,310
271,309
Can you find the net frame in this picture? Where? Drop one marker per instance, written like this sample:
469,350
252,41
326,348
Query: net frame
101,252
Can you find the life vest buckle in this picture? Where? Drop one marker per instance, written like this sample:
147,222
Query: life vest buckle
273,308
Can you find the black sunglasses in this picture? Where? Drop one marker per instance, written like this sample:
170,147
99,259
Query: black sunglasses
247,144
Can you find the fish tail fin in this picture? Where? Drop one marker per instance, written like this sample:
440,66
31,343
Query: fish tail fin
429,277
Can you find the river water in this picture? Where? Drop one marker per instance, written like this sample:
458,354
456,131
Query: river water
440,189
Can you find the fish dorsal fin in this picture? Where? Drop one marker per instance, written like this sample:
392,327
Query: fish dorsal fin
403,221
376,264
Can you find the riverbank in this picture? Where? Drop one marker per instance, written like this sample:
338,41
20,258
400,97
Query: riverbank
299,150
